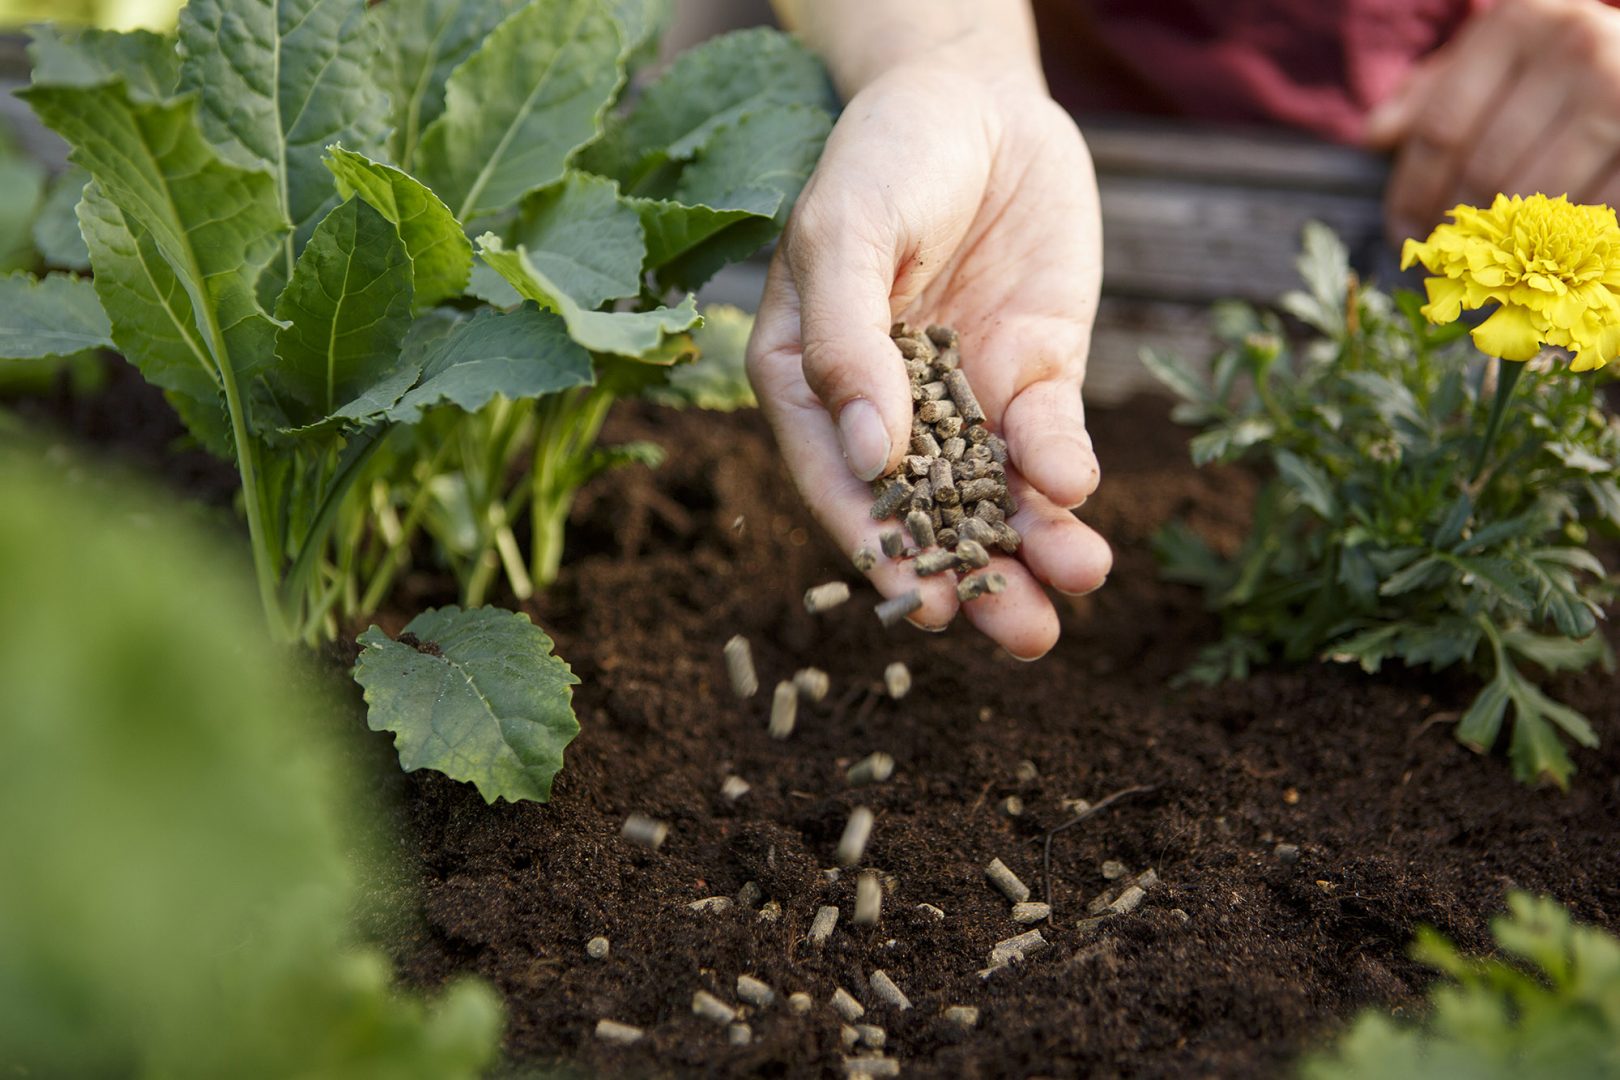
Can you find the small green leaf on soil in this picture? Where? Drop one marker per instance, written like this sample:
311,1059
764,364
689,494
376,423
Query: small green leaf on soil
488,704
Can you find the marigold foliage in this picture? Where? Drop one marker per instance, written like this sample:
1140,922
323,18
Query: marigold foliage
1551,266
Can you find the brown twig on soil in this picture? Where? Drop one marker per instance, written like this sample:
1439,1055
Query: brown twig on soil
1091,811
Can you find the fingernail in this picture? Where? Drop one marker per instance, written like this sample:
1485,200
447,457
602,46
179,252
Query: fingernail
1086,592
865,439
1024,659
925,626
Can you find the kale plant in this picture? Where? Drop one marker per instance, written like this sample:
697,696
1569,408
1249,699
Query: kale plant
1555,1011
279,215
1400,520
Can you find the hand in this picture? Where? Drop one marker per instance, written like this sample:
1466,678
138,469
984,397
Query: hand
943,198
1525,99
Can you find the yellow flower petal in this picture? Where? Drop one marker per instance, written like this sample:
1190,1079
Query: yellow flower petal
1511,334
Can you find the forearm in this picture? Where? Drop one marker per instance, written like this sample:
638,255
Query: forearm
860,40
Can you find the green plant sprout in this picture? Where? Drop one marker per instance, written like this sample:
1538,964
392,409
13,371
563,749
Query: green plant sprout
1379,534
1553,1011
277,211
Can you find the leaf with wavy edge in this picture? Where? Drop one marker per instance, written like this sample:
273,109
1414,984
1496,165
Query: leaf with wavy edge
58,315
439,249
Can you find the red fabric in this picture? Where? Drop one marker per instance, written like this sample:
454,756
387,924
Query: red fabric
1320,65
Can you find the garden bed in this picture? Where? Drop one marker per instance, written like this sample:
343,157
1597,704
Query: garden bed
1395,824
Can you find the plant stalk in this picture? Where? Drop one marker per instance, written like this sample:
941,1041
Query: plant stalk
1506,379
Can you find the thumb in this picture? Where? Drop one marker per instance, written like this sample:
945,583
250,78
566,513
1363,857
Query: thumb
1392,119
844,279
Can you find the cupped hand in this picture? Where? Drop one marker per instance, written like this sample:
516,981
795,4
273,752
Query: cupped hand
1525,99
943,199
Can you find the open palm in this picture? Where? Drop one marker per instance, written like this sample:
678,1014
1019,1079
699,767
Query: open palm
939,201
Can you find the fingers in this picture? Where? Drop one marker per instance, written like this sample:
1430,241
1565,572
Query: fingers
1572,159
1045,429
1515,136
844,275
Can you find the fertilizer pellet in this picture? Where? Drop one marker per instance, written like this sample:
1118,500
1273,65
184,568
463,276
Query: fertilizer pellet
922,497
930,563
825,597
963,1016
711,1008
991,515
868,899
864,559
1007,538
740,667
614,1032
924,444
932,912
750,894
942,481
921,528
978,530
1100,903
1007,881
643,831
1287,854
770,912
974,491
1030,911
831,874
942,336
739,1034
1026,772
800,1002
893,610
1009,950
734,788
1147,878
949,428
892,543
986,584
1113,869
597,948
848,1036
932,412
998,449
821,927
852,845
1012,806
711,905
970,555
755,992
917,466
934,391
1128,900
812,683
885,989
897,680
845,1005
874,768
894,496
967,405
871,1068
872,1036
784,710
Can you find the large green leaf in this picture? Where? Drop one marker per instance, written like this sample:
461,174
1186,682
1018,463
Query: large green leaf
56,230
623,333
718,378
147,62
672,228
279,81
421,43
479,697
523,354
345,312
56,316
23,182
438,247
581,235
212,224
518,108
708,87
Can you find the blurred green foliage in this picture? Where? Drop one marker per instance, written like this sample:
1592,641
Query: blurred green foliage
181,867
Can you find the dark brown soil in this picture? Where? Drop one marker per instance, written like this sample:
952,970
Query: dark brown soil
1396,824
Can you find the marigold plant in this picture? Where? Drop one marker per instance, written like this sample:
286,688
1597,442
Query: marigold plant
1403,518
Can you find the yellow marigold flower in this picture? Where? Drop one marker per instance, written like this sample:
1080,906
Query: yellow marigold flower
1553,267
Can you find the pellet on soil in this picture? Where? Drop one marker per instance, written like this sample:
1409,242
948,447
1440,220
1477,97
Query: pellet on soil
1180,916
739,1034
754,991
734,788
1113,870
874,1068
1026,772
614,1032
864,559
1012,806
740,667
986,584
784,710
644,831
770,912
893,498
892,543
1009,950
1086,926
930,563
921,528
872,1036
963,1016
597,948
1030,912
1287,854
821,927
848,1036
1128,901
821,598
874,768
750,894
1147,878
800,1002
845,1005
711,905
932,912
891,611
1007,881
831,874
812,683
887,991
1100,903
852,845
897,680
868,899
712,1009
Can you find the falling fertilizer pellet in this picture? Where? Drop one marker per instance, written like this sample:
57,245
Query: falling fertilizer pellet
897,680
845,1005
784,710
963,1016
739,1034
740,667
813,683
875,1068
821,927
755,992
597,948
893,610
986,584
711,1008
852,845
734,788
800,1002
614,1032
868,899
825,597
643,831
874,768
